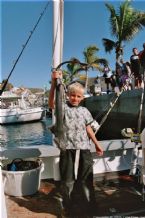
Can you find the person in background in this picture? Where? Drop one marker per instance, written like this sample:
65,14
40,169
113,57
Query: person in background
142,61
107,75
77,122
136,67
126,76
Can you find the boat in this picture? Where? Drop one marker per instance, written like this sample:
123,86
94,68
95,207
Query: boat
113,184
17,109
124,113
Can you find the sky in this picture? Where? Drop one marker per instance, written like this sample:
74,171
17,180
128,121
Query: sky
86,22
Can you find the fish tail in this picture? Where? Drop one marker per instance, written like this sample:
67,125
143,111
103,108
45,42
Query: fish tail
60,145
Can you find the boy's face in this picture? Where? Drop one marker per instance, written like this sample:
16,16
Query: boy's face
75,97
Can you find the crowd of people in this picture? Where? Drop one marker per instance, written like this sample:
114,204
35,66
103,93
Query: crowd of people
128,75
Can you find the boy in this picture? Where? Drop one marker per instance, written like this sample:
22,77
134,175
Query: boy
78,134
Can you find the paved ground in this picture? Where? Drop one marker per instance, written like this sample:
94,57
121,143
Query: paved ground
115,197
39,205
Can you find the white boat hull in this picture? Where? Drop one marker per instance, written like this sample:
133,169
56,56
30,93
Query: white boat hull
117,157
18,115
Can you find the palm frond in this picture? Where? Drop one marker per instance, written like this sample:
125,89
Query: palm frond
113,19
125,21
108,44
89,53
102,61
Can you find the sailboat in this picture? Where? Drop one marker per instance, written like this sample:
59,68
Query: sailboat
17,109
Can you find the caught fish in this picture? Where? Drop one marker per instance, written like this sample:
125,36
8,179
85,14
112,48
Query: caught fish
58,129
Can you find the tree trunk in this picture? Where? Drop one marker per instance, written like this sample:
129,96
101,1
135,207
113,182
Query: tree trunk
86,82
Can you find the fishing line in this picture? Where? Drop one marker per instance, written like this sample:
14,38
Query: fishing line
24,46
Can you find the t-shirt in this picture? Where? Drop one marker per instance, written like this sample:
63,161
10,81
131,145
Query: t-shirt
135,64
142,58
75,121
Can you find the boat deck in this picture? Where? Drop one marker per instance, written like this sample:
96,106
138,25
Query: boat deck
117,195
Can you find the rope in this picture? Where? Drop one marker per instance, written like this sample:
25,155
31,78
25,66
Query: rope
24,46
105,108
112,105
108,112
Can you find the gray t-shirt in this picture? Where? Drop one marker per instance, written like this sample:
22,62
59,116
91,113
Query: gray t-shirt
75,121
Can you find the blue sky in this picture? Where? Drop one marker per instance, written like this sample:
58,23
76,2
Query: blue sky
85,23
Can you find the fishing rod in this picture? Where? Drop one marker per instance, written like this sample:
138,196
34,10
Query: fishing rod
23,47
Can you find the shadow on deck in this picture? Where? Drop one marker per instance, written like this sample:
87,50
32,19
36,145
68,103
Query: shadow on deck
117,195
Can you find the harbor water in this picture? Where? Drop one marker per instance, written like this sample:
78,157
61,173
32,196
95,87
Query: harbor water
28,134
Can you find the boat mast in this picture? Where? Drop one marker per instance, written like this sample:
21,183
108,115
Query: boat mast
57,53
57,32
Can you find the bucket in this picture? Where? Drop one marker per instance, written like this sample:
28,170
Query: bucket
22,183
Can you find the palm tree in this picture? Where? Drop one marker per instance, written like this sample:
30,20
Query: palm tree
74,66
125,23
93,61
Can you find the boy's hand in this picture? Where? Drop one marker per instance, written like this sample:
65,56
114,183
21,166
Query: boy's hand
99,151
56,75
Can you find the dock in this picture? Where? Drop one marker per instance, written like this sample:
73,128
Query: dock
118,195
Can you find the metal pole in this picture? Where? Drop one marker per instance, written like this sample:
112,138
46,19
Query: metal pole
58,10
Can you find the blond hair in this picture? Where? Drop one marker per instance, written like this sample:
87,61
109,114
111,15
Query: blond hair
76,87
